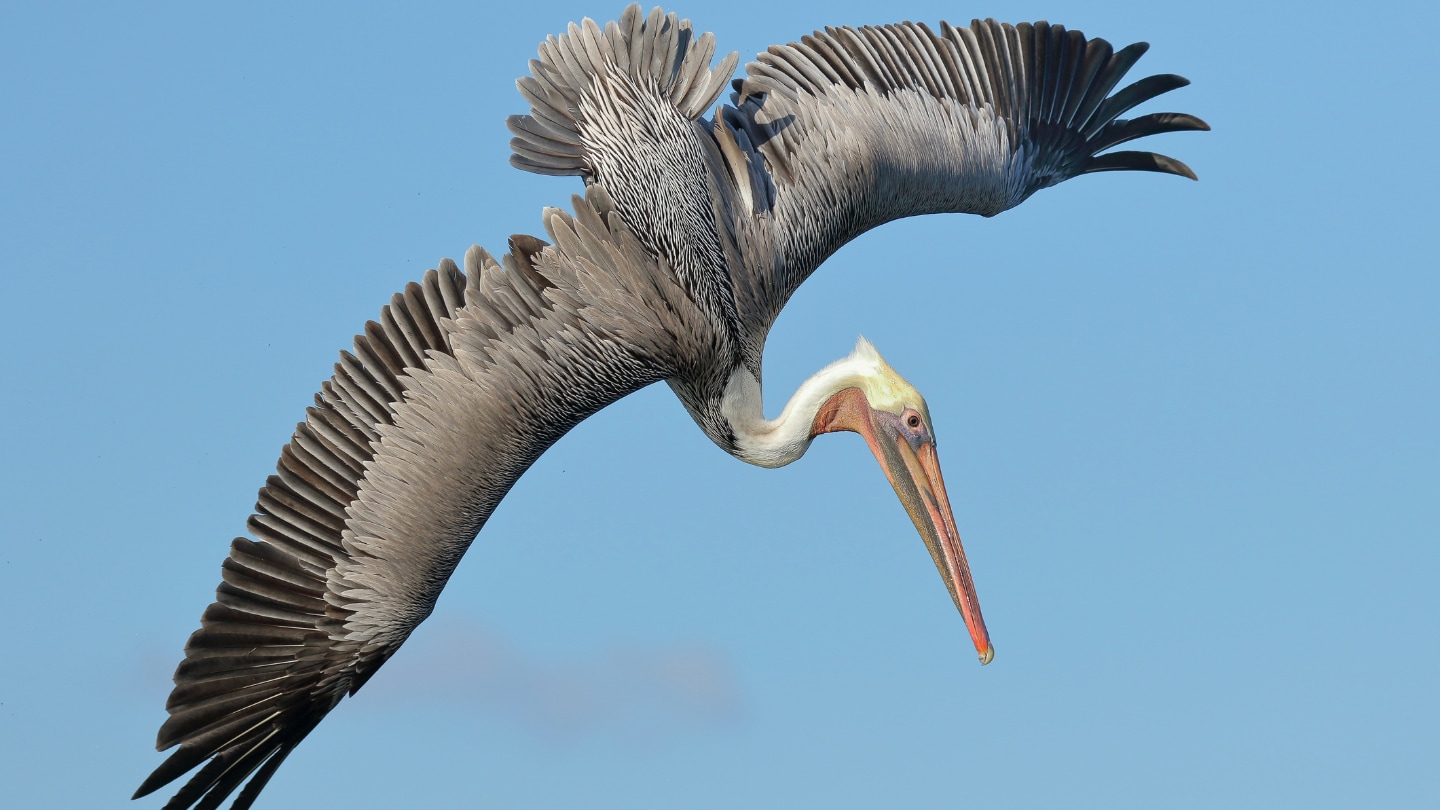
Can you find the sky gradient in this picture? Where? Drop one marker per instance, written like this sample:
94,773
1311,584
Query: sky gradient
1189,431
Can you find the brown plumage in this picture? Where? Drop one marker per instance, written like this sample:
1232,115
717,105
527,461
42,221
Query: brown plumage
691,237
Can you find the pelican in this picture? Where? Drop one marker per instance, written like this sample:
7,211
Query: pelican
691,235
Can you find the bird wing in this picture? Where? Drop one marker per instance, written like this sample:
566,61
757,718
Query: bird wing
618,107
453,393
826,137
659,52
857,127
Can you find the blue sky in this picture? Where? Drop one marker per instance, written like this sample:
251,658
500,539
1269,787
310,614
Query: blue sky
1189,430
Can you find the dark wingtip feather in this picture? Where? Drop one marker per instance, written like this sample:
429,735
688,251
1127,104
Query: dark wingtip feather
1134,95
254,755
261,778
172,768
1122,131
1137,161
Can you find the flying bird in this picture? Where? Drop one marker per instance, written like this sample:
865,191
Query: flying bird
691,235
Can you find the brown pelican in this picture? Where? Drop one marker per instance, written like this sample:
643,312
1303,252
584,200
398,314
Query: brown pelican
690,237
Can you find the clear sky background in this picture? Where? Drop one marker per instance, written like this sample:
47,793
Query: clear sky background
1190,432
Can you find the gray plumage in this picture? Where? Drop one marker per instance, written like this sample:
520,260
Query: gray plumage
691,237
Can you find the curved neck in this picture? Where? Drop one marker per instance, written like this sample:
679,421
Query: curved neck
777,442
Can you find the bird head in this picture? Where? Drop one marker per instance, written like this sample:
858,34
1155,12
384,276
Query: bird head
876,402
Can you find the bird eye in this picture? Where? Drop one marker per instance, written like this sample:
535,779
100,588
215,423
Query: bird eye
913,421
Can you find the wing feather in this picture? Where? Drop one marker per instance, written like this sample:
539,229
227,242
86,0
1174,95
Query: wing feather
860,126
460,384
657,51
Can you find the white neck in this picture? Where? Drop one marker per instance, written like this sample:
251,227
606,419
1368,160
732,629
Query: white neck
777,442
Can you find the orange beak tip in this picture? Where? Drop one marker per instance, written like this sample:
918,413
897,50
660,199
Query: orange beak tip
987,656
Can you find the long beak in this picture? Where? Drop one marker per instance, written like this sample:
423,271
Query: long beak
915,474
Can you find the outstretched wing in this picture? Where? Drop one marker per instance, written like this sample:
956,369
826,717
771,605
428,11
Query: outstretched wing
462,383
857,127
828,137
